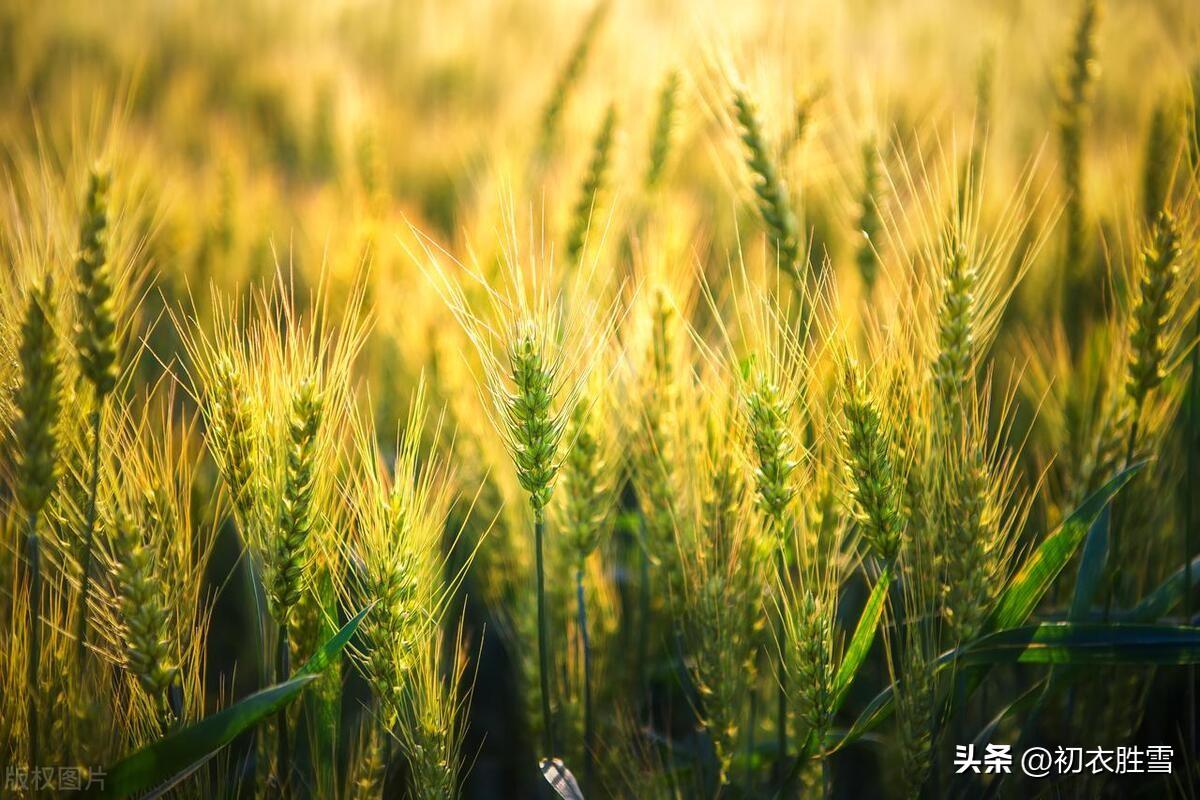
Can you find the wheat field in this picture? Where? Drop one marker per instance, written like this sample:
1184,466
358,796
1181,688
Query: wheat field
596,398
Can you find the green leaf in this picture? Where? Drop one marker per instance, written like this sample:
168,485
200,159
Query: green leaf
1162,599
1035,577
329,651
1093,566
864,636
1018,600
172,756
1027,703
161,789
175,753
1081,643
320,723
878,710
1021,704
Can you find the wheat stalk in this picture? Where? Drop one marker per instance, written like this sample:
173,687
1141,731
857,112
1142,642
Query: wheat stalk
774,203
594,184
38,400
570,75
661,136
96,341
1074,99
870,225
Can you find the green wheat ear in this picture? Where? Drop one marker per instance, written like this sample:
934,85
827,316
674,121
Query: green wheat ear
774,205
774,448
1075,97
96,332
534,433
39,402
1152,314
593,186
143,615
656,454
874,482
870,225
722,493
812,663
571,73
296,513
915,710
587,482
970,547
371,765
1161,149
953,366
664,126
397,624
231,430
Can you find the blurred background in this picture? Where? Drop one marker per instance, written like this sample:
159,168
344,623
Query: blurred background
315,135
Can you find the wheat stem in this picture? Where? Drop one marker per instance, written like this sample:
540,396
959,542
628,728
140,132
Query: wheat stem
592,188
572,71
751,725
774,203
283,671
1076,92
33,556
588,730
89,529
96,341
643,641
38,400
870,223
539,530
1114,548
781,709
1189,531
664,124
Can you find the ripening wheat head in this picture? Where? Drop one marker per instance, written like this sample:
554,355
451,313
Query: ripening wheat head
70,724
570,75
663,133
153,610
56,222
773,196
396,517
1089,399
772,376
911,659
38,401
963,260
273,382
1153,327
982,511
96,334
874,477
537,334
587,212
1083,413
724,563
656,374
591,469
431,727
